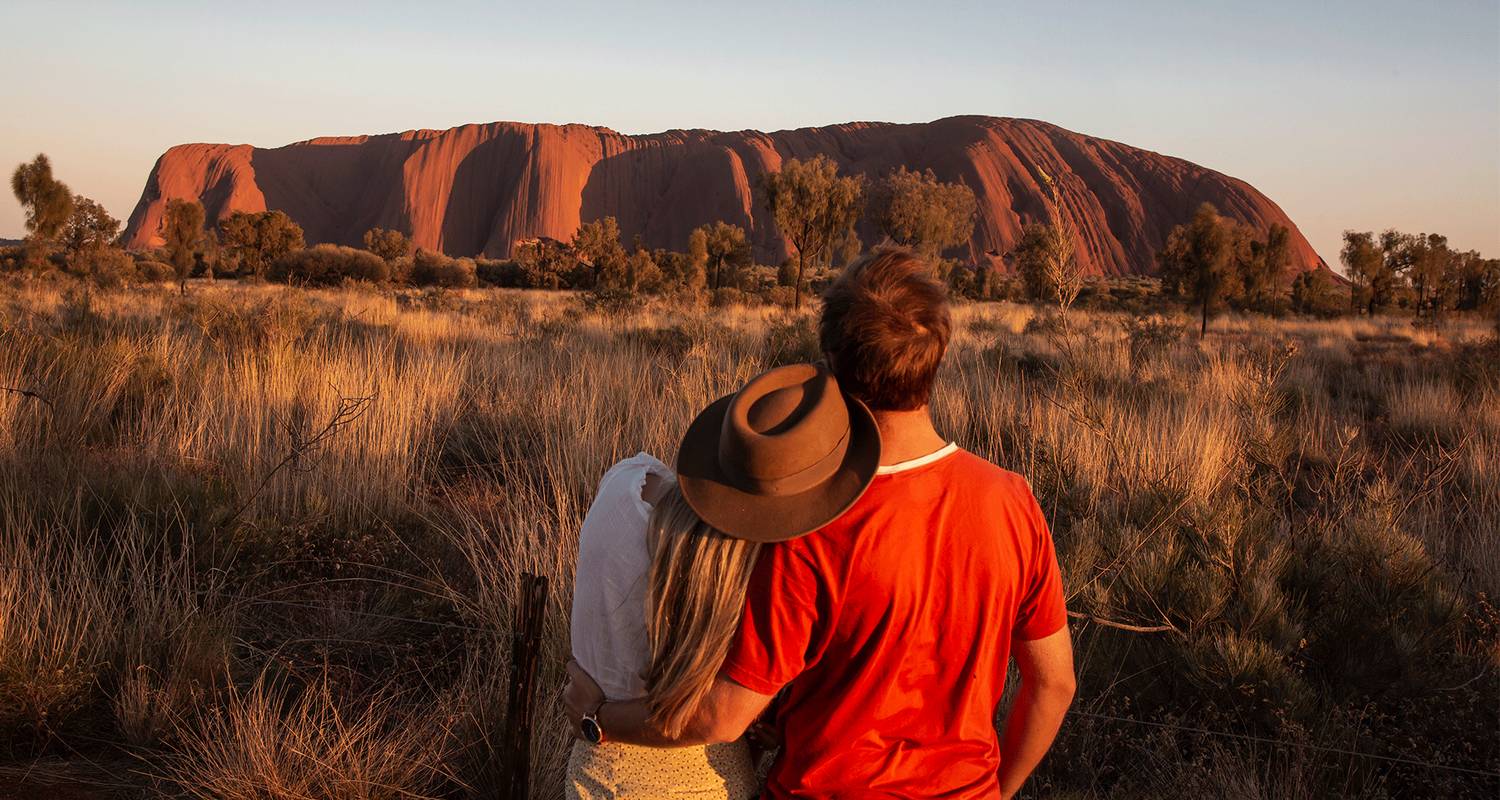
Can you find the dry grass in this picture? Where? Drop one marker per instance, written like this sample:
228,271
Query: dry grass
268,538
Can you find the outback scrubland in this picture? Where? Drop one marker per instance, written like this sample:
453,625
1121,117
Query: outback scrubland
263,542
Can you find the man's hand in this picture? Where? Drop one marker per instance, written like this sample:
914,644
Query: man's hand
582,696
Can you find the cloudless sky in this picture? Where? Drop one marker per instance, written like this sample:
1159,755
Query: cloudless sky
1365,115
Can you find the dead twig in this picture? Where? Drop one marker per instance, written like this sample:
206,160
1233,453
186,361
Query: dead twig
1123,626
29,393
349,410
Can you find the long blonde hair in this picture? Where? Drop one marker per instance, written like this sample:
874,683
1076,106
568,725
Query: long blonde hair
693,604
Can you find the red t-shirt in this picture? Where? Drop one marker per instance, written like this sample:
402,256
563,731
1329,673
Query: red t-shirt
891,627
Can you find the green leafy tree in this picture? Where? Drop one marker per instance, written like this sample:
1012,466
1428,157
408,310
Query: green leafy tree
1048,264
89,228
255,240
725,251
1364,262
182,233
597,246
1476,282
1199,262
1430,265
1264,269
1315,293
814,208
917,210
388,244
48,203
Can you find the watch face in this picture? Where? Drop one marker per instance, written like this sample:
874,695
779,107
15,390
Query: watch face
591,731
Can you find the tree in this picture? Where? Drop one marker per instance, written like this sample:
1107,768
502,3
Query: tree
388,244
1199,262
814,209
1366,266
1476,282
917,210
1314,293
47,201
89,227
1263,272
597,245
258,239
1045,257
182,231
725,251
1429,266
641,272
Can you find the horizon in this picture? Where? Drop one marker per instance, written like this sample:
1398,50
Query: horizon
1311,106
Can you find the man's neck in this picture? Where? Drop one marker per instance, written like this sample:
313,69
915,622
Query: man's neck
905,435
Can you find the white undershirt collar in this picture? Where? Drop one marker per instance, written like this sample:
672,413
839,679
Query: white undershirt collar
920,461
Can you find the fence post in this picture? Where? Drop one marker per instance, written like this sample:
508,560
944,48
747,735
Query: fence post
525,647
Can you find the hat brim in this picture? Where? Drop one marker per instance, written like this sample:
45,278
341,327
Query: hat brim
762,518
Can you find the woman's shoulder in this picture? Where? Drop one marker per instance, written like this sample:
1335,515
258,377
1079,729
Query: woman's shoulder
631,487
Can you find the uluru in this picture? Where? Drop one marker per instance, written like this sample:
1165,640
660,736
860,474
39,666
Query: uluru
478,189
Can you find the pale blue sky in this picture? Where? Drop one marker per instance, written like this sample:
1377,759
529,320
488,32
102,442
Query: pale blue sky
1348,114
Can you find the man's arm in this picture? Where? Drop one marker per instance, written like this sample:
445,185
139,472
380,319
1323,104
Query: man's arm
1047,686
725,713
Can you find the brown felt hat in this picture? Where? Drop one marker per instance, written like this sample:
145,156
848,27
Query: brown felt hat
781,457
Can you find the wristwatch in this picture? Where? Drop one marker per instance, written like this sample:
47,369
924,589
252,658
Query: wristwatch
592,733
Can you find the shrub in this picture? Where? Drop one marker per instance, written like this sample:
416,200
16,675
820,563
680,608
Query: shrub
793,341
150,270
612,302
784,296
107,267
499,272
728,296
435,269
329,264
1149,338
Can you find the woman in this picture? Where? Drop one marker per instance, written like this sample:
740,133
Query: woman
659,592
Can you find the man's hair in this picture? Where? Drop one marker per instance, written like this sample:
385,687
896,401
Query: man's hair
884,327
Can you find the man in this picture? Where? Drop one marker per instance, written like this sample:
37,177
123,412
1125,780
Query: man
889,629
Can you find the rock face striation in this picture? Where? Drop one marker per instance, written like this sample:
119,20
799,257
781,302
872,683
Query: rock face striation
478,189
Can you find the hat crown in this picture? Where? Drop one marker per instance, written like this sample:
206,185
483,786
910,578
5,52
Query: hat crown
787,430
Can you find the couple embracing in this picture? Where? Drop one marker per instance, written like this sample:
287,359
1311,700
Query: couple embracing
823,566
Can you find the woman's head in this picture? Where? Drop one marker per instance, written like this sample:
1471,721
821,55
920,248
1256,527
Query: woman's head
694,603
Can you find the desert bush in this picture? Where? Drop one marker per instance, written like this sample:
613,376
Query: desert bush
280,742
328,265
1149,338
435,269
793,340
500,273
612,302
153,271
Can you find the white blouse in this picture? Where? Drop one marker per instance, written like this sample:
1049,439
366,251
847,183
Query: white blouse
609,588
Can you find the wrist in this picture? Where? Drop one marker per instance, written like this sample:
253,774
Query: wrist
591,729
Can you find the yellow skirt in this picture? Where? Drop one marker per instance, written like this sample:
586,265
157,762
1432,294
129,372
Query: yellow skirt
612,770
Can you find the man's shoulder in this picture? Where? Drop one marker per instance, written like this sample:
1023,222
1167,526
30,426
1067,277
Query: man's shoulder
976,469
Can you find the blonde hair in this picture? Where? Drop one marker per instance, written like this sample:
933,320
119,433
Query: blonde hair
693,606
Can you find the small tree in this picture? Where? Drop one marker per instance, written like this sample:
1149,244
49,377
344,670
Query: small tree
388,244
257,239
1366,266
1264,270
725,251
1314,293
1476,282
89,228
917,210
1048,265
1430,267
182,232
1198,263
814,208
597,245
47,201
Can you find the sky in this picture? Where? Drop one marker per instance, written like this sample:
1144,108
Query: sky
1362,115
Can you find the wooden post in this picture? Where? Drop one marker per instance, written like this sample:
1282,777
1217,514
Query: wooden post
525,647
